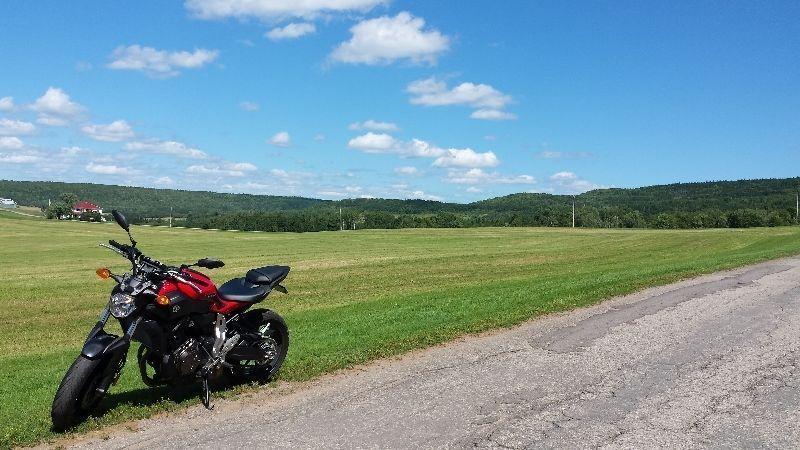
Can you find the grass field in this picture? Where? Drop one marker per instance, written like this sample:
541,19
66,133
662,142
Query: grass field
354,296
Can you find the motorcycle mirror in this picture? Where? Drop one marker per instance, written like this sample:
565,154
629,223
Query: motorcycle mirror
123,223
120,219
210,263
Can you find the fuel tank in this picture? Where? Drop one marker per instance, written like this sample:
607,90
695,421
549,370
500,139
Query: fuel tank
184,299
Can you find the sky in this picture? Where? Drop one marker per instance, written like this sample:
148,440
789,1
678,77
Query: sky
443,100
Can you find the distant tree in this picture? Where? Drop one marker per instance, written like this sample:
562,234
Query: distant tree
62,208
633,219
779,218
665,221
69,199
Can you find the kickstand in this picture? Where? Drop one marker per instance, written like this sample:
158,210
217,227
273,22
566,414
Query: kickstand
206,396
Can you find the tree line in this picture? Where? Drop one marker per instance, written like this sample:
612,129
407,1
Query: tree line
586,216
713,204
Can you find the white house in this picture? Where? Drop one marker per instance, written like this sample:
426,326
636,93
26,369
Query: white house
7,203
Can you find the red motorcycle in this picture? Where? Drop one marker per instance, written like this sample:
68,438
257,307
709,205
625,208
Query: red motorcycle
188,329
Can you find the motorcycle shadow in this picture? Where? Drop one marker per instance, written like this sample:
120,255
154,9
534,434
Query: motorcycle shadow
151,396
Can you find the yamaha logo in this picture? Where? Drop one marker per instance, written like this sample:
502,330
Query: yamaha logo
176,308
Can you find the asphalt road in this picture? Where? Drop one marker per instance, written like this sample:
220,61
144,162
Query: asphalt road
710,362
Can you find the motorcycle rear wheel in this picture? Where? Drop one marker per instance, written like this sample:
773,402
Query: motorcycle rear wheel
274,328
79,393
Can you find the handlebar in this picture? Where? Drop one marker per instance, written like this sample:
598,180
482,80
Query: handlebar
161,270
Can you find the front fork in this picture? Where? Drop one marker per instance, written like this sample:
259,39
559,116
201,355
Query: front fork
100,344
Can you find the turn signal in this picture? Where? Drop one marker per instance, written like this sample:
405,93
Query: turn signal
162,300
103,273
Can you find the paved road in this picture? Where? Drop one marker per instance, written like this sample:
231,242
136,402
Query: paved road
710,362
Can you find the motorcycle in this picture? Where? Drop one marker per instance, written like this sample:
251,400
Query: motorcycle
188,329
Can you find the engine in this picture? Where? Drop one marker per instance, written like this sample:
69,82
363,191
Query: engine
187,358
183,362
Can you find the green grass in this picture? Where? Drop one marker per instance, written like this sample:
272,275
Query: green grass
354,296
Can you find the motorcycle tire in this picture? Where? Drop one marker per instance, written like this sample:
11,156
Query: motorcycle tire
78,394
279,332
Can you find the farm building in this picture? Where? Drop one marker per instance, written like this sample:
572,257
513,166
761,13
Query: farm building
7,203
84,206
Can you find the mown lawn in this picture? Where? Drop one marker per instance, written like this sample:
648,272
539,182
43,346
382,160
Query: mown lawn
354,296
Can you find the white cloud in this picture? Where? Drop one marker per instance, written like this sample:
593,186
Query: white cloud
20,158
319,137
374,143
10,127
291,178
280,173
564,155
116,131
570,183
488,101
466,158
281,139
492,114
406,170
385,39
55,108
249,106
329,194
382,143
164,181
275,10
563,177
422,149
174,148
417,194
474,190
6,103
11,143
239,167
106,169
479,176
73,151
159,63
431,92
291,31
213,169
374,125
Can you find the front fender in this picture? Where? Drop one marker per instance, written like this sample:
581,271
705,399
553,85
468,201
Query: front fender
100,343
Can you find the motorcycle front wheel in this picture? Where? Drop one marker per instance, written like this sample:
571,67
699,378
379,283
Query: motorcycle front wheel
80,392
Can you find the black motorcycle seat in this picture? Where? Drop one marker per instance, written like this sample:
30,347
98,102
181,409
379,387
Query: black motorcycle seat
241,290
268,275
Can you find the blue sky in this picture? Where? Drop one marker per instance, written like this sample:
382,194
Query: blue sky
450,100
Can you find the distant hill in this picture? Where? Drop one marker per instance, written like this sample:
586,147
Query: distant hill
763,194
680,205
148,202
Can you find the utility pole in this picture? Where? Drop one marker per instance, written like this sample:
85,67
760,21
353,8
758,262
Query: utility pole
573,211
170,216
797,206
341,222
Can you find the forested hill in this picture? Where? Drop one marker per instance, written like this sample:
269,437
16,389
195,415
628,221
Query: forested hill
764,194
680,205
148,202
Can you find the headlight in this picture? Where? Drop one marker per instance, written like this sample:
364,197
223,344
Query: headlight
122,305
